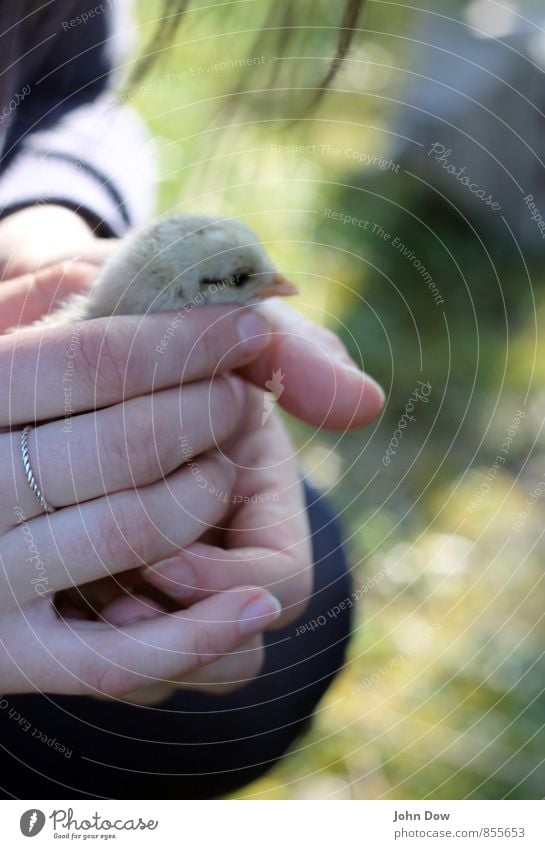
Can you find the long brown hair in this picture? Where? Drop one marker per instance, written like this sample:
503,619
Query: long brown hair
282,19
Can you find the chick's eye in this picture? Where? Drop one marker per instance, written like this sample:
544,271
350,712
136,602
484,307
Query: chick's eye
239,279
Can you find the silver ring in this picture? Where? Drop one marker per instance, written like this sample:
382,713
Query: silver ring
29,475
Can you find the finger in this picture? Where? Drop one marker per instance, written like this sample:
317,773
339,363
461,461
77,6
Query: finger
112,534
225,675
127,609
93,252
319,383
230,673
90,657
27,298
96,595
268,537
59,371
124,446
201,571
126,604
268,534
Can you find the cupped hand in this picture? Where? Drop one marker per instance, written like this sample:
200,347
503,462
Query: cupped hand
265,536
42,651
263,539
322,386
110,456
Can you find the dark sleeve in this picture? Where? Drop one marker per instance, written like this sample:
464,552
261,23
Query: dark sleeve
71,141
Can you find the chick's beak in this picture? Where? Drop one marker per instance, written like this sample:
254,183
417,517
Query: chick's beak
280,286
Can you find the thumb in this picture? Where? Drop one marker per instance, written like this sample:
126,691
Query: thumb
116,661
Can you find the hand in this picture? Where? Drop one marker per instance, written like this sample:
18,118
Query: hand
127,497
27,298
42,651
40,236
323,386
343,397
264,538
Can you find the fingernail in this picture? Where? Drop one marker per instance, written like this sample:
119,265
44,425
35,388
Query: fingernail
178,578
258,614
253,330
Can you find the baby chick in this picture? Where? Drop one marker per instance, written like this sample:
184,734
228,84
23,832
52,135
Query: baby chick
170,263
175,261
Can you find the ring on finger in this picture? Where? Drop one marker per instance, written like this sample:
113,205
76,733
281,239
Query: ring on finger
33,484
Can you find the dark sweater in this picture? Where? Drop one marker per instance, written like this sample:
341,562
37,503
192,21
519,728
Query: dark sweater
64,137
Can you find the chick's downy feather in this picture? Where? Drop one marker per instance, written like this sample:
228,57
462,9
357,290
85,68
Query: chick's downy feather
175,261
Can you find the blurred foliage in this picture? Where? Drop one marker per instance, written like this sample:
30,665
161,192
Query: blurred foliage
442,693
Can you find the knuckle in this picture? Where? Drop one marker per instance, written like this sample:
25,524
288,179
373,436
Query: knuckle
220,474
209,350
105,676
205,645
227,405
127,532
104,359
212,483
142,446
129,445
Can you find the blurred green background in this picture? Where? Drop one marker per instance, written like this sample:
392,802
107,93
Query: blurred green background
442,694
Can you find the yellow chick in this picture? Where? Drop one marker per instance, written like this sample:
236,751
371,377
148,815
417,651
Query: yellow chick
176,261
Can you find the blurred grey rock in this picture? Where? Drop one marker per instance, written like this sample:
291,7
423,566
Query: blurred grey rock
475,115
